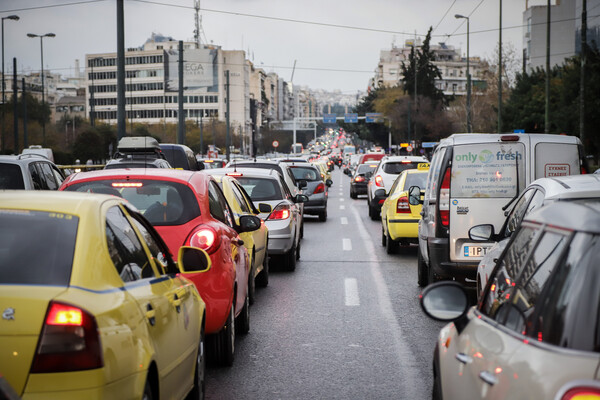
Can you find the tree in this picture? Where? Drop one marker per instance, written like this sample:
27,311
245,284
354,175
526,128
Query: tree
88,146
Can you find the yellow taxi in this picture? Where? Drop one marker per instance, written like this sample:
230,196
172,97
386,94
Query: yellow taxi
92,305
399,216
321,164
256,241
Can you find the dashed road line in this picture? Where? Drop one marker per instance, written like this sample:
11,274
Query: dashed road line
351,292
344,221
347,244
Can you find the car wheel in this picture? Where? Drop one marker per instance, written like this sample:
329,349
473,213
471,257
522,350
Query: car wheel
262,279
298,250
383,237
242,321
251,283
373,213
197,392
431,277
302,229
224,343
323,216
421,269
436,393
352,194
289,259
391,246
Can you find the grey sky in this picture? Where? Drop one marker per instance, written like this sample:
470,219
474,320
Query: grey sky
327,57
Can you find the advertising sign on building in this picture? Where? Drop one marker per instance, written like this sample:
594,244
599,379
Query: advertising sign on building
199,69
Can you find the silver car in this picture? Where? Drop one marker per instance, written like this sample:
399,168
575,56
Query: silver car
278,207
315,189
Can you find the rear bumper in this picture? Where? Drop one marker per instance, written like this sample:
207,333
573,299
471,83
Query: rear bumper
316,204
439,251
358,188
404,229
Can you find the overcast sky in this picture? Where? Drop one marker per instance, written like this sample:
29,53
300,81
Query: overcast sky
317,34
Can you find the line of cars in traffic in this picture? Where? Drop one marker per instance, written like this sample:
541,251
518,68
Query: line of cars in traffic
99,309
511,221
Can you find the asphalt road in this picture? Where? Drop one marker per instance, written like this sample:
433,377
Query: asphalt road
346,324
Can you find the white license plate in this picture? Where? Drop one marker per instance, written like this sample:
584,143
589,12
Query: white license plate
475,251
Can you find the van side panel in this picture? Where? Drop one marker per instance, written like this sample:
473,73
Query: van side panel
556,159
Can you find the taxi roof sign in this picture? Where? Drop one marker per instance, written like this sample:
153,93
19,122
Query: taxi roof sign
423,166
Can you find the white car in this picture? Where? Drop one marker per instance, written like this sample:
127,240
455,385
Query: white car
383,178
539,193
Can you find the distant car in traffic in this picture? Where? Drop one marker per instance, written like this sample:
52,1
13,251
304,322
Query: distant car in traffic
360,178
29,172
316,190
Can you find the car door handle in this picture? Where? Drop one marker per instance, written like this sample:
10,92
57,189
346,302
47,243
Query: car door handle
488,377
463,358
150,314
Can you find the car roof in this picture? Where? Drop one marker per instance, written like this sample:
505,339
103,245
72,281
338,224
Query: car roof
23,158
569,187
247,172
138,173
52,200
570,215
402,158
468,138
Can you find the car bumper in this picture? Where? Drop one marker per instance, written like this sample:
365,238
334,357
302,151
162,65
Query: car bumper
316,204
404,229
462,272
281,236
358,188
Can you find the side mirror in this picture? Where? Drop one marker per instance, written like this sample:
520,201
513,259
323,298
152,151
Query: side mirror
193,259
300,198
329,182
445,301
482,232
200,165
414,196
302,184
264,208
380,193
248,223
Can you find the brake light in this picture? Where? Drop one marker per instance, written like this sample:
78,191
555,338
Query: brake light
234,174
206,239
509,138
444,200
359,179
402,206
406,161
69,341
583,170
127,184
379,180
582,393
320,188
282,211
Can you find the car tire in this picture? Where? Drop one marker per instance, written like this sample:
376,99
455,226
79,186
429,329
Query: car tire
436,392
148,393
198,390
391,246
251,283
431,277
223,343
302,229
289,259
323,216
298,247
373,213
383,237
242,321
352,194
262,279
421,269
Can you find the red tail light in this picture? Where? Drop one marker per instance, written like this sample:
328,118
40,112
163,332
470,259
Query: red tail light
359,179
379,181
402,206
444,200
582,393
69,341
282,211
320,188
206,239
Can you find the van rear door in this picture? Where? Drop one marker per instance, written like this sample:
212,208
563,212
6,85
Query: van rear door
483,180
556,159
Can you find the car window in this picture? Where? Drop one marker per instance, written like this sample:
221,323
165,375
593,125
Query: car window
159,252
36,247
48,176
11,176
305,173
395,184
366,168
569,316
218,205
261,189
125,248
397,167
240,199
529,200
286,191
434,173
417,179
38,181
57,175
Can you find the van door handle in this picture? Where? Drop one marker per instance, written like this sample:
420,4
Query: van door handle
488,378
151,314
463,358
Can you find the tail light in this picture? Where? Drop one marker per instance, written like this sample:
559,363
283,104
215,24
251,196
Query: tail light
359,179
582,393
444,200
69,341
320,188
402,206
379,181
206,239
282,211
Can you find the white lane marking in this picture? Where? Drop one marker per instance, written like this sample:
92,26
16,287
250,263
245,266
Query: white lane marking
347,244
403,350
342,207
344,221
351,292
342,199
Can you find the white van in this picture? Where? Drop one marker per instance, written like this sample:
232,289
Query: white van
472,180
39,150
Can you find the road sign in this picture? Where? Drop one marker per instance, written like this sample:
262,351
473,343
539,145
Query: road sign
275,143
373,117
409,148
329,118
428,145
519,130
350,118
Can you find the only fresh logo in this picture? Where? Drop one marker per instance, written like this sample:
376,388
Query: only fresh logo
486,156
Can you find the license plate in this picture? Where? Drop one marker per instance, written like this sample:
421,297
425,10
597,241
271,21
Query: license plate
475,251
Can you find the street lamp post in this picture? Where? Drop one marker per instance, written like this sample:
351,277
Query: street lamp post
14,18
33,35
469,124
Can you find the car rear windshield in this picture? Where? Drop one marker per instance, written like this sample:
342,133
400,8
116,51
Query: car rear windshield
260,165
161,202
36,247
129,165
261,189
365,168
305,173
11,177
397,167
418,179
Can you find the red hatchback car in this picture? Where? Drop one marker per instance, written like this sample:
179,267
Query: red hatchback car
188,208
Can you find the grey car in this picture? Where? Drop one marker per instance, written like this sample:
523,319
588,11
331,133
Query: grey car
29,172
315,189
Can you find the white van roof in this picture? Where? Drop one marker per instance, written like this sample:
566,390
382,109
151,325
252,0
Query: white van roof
465,138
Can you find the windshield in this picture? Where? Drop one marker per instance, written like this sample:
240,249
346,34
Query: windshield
305,173
261,189
11,177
